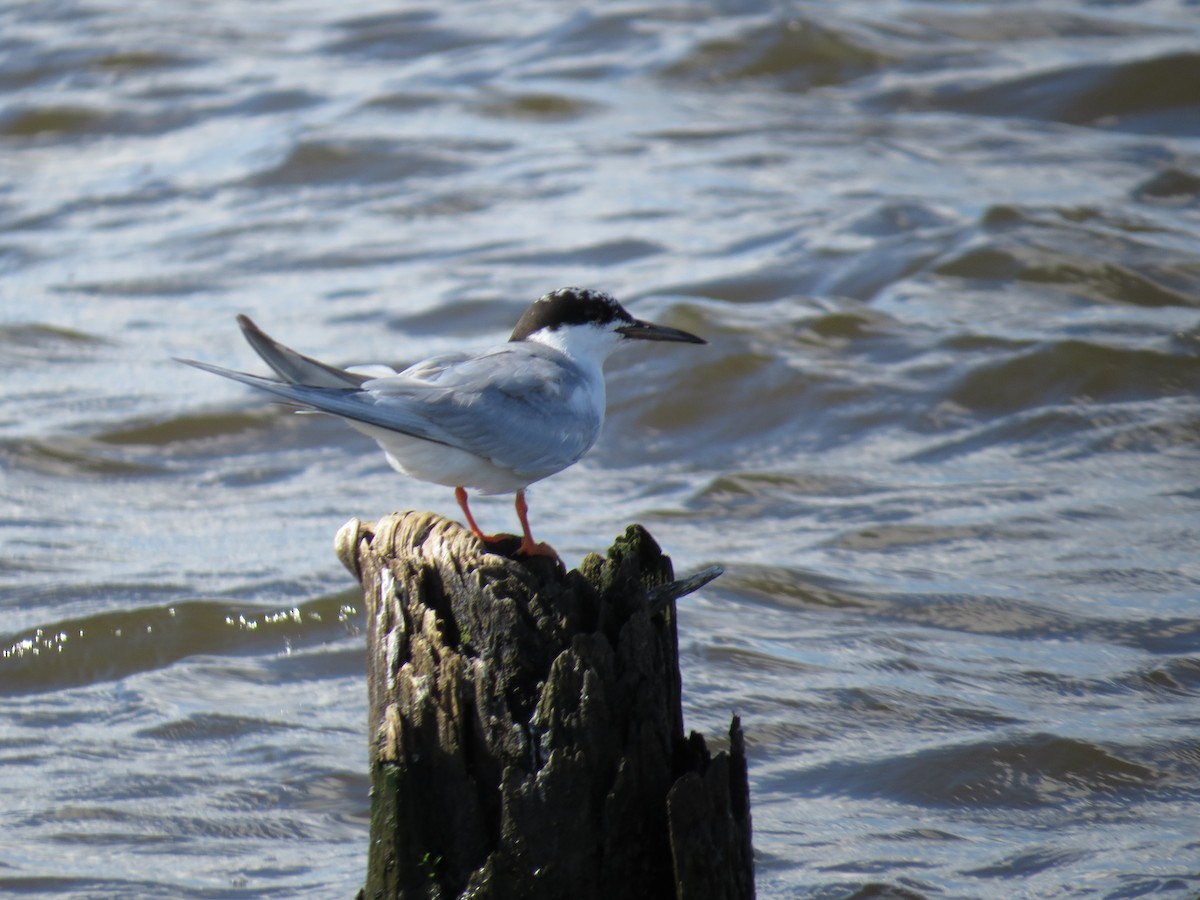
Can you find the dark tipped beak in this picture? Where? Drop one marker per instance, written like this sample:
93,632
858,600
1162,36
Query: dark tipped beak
648,331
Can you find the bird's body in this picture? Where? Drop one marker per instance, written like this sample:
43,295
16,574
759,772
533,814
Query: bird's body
495,421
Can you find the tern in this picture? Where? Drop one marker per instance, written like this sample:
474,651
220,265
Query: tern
495,421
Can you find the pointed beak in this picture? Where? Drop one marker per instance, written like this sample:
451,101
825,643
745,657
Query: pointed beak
648,331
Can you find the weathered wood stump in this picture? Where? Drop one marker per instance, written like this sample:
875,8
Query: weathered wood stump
526,728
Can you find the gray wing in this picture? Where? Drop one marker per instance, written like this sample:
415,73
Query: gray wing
523,406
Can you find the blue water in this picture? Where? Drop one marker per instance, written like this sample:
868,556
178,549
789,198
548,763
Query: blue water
944,438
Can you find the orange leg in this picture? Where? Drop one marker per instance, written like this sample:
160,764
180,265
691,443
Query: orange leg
528,546
461,496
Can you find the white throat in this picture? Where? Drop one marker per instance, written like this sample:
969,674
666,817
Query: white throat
588,345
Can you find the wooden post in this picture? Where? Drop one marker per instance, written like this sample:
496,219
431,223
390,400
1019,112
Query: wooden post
526,728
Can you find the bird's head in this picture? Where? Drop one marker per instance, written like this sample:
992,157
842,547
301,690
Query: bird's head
589,324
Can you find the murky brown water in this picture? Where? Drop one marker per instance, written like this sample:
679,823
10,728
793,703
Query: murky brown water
945,437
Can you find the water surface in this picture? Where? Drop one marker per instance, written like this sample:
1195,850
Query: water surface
944,438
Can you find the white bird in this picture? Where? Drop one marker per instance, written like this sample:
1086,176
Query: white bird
495,421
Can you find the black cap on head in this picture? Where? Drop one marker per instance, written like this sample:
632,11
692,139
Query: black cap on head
570,306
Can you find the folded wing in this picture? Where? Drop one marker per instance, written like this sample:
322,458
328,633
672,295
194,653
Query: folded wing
523,406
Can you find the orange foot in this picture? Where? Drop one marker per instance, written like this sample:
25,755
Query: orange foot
528,546
531,548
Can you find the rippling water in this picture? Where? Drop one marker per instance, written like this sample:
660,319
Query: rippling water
945,437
